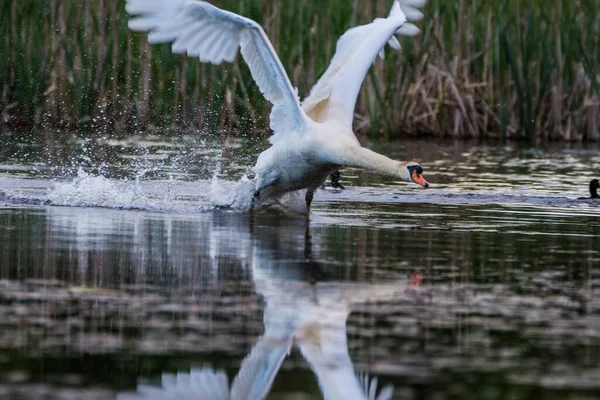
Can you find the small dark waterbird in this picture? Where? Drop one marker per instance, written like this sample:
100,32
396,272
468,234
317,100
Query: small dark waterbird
335,180
594,186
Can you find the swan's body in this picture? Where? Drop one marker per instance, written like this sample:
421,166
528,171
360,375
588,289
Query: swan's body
310,139
313,157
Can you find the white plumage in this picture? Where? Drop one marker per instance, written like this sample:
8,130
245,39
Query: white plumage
334,96
214,35
312,138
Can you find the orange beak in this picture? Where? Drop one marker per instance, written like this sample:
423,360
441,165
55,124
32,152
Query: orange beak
418,179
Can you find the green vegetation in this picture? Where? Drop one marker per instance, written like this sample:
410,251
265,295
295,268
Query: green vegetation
526,69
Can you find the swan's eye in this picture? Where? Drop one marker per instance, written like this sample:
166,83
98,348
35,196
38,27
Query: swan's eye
416,168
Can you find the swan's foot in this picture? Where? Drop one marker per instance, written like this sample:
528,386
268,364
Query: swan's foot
253,204
335,180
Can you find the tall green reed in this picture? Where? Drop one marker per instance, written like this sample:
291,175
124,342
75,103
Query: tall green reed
482,68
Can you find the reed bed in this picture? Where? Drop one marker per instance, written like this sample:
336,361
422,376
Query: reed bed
526,69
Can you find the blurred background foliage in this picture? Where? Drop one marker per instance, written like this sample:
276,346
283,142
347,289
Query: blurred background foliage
526,69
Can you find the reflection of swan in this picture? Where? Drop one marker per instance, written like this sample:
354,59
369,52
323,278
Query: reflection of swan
317,314
300,310
310,139
594,186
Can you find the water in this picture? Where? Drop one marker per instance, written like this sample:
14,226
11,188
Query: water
121,270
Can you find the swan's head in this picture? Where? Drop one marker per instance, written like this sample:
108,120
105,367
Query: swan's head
413,173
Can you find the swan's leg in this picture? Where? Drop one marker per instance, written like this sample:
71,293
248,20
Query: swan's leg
253,202
310,194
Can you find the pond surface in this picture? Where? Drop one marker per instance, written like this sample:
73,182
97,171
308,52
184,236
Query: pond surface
129,270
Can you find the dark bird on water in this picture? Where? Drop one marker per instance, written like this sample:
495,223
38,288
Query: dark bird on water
335,180
594,186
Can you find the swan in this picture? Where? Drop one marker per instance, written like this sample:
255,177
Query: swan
594,186
313,138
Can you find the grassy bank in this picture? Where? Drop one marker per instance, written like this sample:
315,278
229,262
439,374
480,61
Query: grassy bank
509,68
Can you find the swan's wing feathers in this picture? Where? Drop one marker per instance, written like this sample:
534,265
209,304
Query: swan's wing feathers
334,96
259,368
411,9
407,29
214,35
369,387
200,384
194,27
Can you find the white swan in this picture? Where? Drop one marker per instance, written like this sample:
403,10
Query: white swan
313,138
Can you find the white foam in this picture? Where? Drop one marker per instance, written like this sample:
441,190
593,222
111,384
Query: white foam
87,190
227,194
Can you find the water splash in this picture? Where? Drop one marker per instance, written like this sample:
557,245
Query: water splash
87,190
226,194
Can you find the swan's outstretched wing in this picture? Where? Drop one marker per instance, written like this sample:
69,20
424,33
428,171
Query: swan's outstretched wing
334,96
370,388
200,384
260,367
214,35
253,381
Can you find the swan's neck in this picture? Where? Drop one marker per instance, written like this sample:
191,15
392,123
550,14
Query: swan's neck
368,159
593,192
